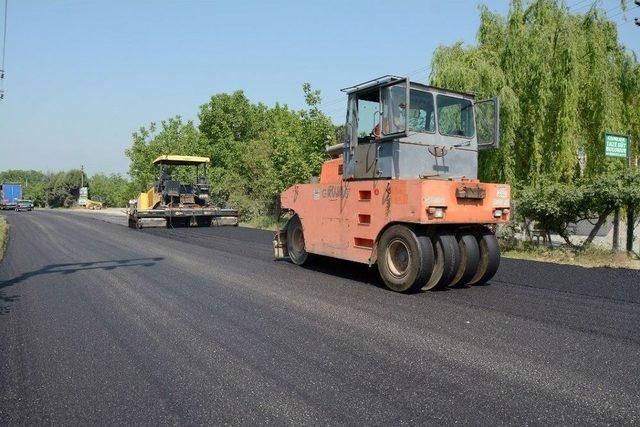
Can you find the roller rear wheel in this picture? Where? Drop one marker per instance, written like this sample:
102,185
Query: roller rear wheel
469,259
489,258
447,260
405,259
295,241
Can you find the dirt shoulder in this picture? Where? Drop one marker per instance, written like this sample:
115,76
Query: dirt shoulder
4,236
589,258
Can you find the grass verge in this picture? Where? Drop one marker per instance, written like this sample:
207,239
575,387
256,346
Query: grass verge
4,236
264,222
590,257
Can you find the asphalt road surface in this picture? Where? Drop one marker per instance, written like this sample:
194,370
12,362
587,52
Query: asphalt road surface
103,324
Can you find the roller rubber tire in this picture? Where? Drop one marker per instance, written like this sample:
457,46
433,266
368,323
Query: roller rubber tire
447,260
295,241
405,259
469,259
489,258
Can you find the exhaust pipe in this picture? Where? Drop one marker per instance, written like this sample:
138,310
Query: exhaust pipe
335,151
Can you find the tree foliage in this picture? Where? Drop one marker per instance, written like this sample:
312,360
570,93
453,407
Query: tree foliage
555,205
32,183
563,80
256,151
112,190
171,136
62,189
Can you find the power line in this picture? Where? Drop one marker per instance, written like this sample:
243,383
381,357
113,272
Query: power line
622,11
329,103
414,72
578,6
593,3
613,8
4,48
4,35
578,3
581,4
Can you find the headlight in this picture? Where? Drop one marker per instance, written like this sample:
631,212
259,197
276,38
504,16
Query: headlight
436,212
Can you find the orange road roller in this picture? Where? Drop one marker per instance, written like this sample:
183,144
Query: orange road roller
401,191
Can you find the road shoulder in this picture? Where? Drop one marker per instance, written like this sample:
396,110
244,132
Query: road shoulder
4,236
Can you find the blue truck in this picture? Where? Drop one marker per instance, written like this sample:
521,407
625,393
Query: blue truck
10,193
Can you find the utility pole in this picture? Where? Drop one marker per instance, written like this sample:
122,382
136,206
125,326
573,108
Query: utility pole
631,208
630,225
616,229
81,176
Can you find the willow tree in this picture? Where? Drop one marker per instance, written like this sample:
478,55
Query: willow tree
563,80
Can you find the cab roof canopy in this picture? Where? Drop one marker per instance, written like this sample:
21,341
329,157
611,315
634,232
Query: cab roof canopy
172,159
373,84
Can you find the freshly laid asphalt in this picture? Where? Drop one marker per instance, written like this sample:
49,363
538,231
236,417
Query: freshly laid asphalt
100,324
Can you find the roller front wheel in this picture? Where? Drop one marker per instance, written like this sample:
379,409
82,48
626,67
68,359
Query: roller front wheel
295,241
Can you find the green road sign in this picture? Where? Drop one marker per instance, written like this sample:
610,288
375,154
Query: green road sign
616,145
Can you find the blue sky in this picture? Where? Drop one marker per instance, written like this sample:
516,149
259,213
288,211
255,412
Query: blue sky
82,75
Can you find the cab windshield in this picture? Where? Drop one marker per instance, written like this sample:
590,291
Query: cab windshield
455,115
422,114
384,113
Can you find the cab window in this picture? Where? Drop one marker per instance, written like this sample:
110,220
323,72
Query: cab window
368,116
455,116
394,105
422,114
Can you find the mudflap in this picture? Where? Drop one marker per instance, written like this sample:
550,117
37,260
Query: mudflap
280,244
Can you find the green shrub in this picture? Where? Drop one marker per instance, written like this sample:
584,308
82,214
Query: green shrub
555,205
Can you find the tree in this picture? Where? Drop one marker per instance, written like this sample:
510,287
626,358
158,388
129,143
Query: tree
62,188
32,183
171,137
563,80
255,151
555,205
112,190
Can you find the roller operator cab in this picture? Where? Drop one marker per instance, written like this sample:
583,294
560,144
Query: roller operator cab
401,191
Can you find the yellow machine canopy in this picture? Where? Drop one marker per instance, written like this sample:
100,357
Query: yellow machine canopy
172,159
